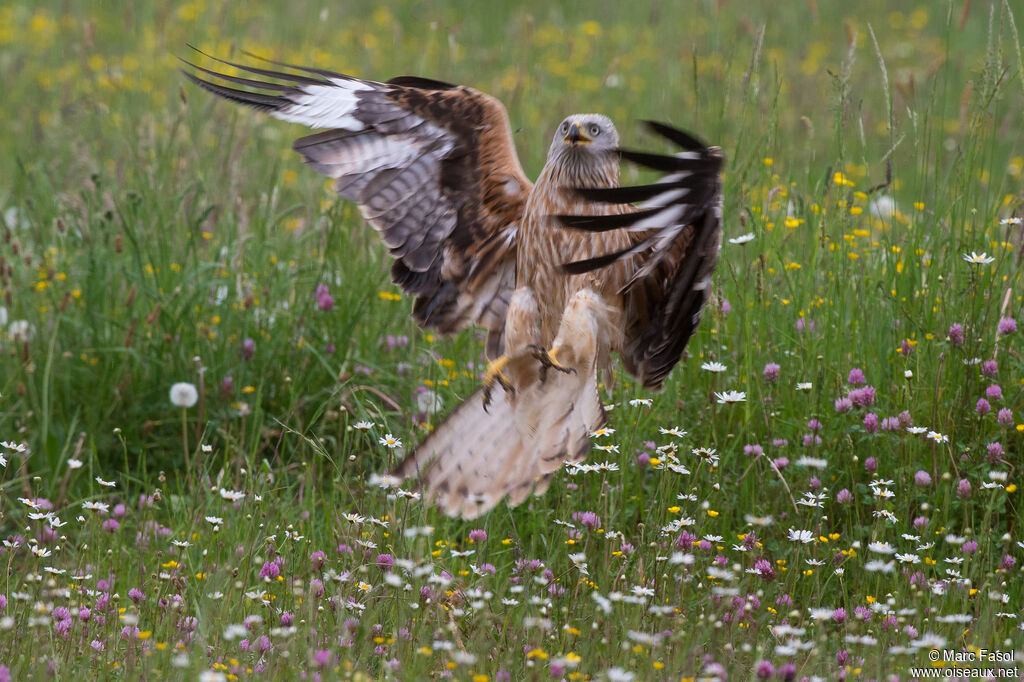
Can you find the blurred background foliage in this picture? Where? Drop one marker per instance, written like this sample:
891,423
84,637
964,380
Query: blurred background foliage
147,225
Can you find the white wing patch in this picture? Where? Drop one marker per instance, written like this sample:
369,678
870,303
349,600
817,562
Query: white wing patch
326,106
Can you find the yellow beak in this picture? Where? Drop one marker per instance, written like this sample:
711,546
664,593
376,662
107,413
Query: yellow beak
576,136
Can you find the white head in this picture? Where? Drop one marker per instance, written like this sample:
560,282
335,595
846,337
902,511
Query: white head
584,152
584,134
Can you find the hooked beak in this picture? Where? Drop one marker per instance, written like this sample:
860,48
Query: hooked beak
576,136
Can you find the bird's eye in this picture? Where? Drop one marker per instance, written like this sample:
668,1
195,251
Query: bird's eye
595,130
565,126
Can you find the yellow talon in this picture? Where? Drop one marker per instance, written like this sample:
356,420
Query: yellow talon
494,368
553,358
547,359
493,375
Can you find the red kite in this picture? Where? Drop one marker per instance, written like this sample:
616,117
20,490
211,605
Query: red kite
561,272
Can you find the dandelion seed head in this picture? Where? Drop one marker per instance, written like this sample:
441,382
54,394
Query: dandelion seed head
184,394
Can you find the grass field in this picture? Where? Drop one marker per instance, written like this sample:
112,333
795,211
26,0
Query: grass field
856,515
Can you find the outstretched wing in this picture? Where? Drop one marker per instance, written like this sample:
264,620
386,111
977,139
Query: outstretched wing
676,234
431,166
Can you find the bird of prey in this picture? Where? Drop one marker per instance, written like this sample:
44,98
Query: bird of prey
561,272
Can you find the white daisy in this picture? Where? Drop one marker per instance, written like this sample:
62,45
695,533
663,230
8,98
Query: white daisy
390,441
232,495
760,521
881,547
885,514
21,331
812,500
804,536
880,566
708,454
978,258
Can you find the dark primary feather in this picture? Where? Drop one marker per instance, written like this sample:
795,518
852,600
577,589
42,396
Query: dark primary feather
430,165
686,177
661,162
680,137
677,234
603,223
252,99
420,82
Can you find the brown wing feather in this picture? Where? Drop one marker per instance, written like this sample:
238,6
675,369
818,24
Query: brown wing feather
676,235
432,167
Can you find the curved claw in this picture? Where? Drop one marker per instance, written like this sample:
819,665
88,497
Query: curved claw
547,359
493,376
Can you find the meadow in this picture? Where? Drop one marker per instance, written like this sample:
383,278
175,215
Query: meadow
855,515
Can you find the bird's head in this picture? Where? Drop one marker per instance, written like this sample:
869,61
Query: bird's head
584,135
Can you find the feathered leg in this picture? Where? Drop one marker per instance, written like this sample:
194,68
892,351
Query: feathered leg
522,330
585,332
476,457
556,417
